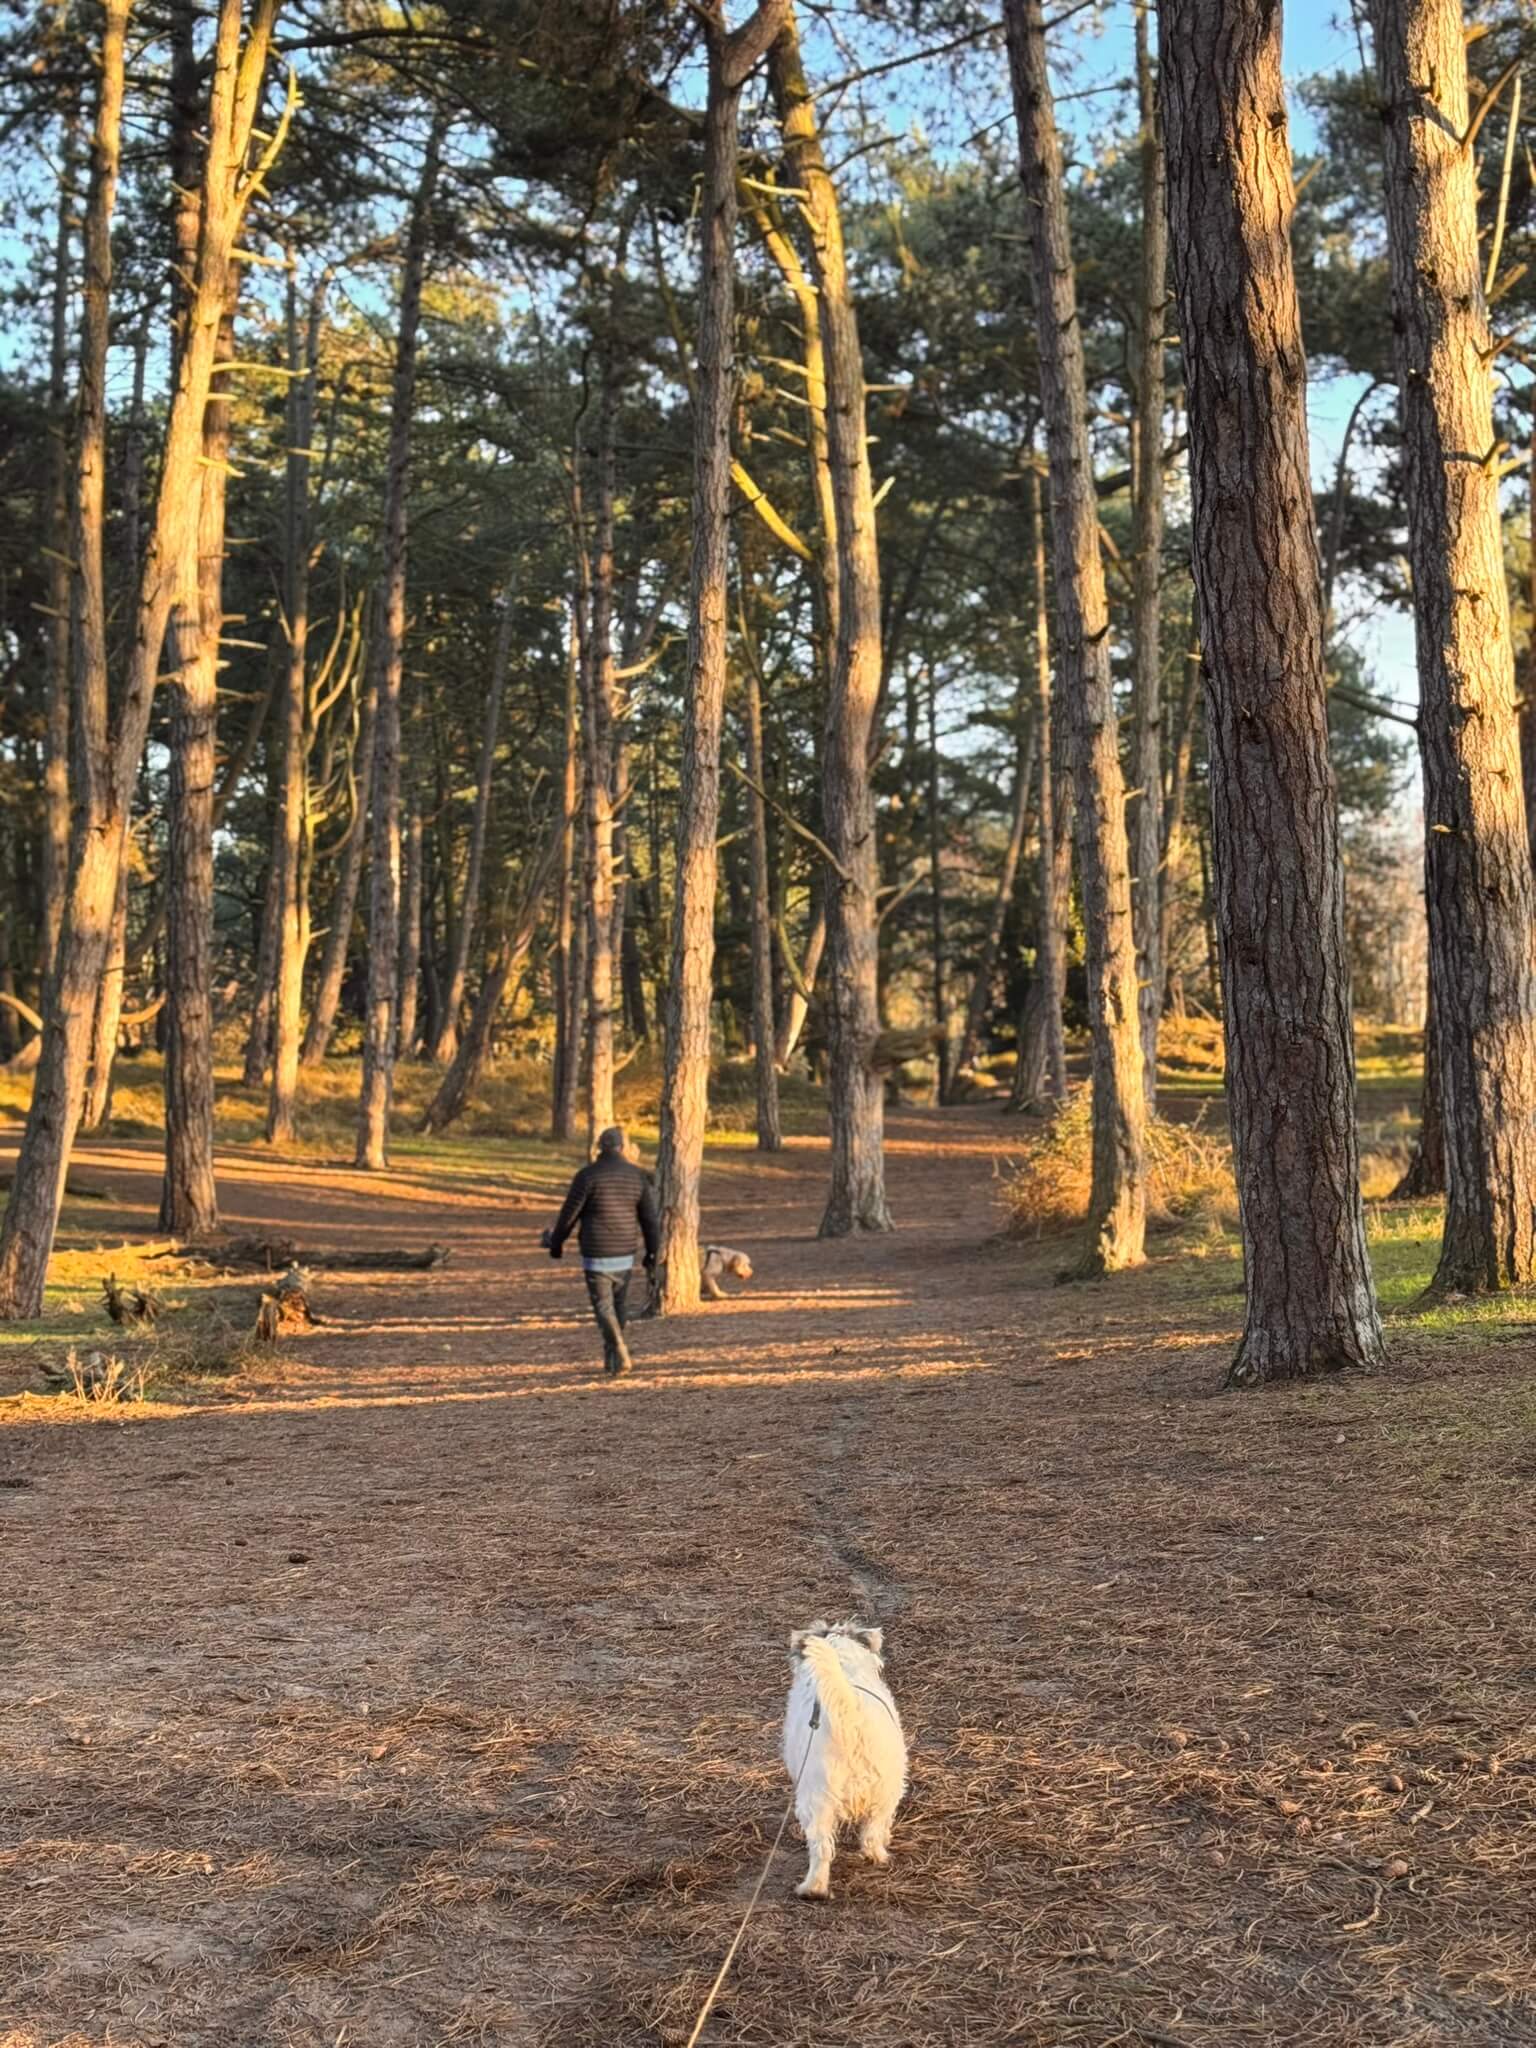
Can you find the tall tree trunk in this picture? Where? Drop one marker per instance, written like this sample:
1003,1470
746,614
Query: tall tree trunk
1117,1201
55,846
937,931
1040,1073
1311,1303
1479,889
410,937
598,735
731,56
1425,1172
568,969
1178,792
189,1202
1528,695
855,1091
31,1215
343,904
96,1107
1147,813
770,1136
384,908
107,760
258,1036
290,868
802,975
445,1042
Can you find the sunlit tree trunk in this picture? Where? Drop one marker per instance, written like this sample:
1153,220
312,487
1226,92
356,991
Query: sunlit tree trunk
1040,1075
290,877
189,1204
855,1091
384,907
1278,883
1117,1200
731,55
598,742
55,846
1147,810
568,966
107,1022
107,758
1479,889
410,935
770,1136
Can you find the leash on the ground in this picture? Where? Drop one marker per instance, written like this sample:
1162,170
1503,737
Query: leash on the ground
757,1890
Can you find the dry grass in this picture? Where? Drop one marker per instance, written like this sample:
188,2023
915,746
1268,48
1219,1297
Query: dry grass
1189,1174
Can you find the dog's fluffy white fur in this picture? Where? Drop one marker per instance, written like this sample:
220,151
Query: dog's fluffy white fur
849,1763
719,1259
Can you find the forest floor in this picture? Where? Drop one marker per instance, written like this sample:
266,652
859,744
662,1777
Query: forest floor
419,1686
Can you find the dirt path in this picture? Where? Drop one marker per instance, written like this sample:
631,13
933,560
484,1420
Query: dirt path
430,1695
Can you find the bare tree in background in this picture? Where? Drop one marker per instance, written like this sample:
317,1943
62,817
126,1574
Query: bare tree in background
1117,1200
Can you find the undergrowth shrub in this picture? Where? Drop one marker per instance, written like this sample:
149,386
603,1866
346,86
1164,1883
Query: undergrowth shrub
1189,1174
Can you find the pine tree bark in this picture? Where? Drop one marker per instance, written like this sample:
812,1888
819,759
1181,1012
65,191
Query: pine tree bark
1117,1200
1479,889
342,910
258,1037
1278,885
1528,695
189,1203
770,1134
1424,1174
445,1041
731,55
1146,610
410,936
803,975
106,757
107,1022
55,846
568,967
384,908
598,741
856,1199
291,877
1040,1072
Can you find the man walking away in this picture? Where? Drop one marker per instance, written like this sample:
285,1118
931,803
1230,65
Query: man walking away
615,1205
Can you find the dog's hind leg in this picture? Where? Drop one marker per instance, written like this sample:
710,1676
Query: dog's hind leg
875,1836
821,1841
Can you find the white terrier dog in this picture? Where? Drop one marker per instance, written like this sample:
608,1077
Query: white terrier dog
843,1746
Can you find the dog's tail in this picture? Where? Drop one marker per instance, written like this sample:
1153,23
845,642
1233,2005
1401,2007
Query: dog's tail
833,1689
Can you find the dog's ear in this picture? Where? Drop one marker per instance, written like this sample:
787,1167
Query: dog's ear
873,1640
797,1641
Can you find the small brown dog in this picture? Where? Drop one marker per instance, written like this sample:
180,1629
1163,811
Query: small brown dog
719,1260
